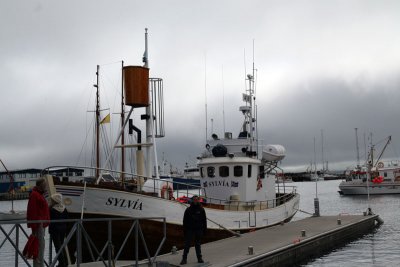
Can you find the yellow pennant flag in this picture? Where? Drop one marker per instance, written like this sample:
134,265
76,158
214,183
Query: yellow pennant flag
106,119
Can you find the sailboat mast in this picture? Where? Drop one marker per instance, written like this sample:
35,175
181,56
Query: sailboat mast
358,150
322,150
97,123
252,100
122,125
372,151
315,158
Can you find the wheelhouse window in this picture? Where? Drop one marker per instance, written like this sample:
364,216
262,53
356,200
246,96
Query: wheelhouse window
224,171
385,174
249,171
211,172
262,174
238,171
201,172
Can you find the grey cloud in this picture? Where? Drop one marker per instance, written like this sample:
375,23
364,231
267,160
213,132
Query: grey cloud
321,65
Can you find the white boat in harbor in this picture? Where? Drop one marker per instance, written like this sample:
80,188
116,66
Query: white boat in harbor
12,215
362,182
237,178
190,175
373,179
282,178
330,176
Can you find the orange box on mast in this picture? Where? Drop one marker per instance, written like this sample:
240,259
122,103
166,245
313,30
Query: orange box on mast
136,86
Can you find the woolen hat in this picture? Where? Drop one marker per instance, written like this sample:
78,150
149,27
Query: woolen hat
57,198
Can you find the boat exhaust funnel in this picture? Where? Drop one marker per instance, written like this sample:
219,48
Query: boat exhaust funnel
136,86
140,169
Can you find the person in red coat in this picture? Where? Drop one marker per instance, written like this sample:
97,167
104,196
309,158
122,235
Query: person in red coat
38,209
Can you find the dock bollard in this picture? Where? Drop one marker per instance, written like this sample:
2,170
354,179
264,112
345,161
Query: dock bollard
250,250
339,221
316,207
174,250
303,233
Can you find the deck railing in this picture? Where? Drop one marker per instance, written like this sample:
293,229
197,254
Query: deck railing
16,236
254,204
284,192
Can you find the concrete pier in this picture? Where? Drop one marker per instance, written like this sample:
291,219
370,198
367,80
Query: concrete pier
288,244
281,245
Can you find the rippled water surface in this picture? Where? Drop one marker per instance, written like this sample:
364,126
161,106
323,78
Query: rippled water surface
379,248
7,251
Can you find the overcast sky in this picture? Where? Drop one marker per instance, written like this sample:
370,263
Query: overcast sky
321,65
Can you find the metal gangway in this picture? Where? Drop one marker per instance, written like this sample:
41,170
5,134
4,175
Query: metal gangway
15,234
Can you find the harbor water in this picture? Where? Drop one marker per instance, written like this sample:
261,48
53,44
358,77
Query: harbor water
379,248
7,250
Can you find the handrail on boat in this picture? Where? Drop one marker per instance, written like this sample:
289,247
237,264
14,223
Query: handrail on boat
264,204
133,175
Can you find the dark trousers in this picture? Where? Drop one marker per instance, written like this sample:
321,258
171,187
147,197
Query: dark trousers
189,234
58,240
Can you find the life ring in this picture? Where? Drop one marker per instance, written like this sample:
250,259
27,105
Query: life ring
167,191
380,164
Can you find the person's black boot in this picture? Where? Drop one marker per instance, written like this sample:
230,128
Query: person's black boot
200,260
183,261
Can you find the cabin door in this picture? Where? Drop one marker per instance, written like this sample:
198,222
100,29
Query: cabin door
252,219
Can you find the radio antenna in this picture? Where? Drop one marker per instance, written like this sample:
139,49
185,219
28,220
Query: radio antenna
245,71
223,98
205,90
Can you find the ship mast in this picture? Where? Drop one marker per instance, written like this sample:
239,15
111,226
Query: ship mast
250,98
138,82
97,123
122,125
149,115
358,151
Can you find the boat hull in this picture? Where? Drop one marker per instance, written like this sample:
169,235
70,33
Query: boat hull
108,203
152,232
12,216
354,188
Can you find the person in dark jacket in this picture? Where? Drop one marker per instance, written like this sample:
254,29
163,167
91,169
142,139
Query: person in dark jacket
194,225
58,230
38,210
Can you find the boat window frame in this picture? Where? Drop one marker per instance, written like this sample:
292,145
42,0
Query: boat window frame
223,173
212,173
261,171
236,168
